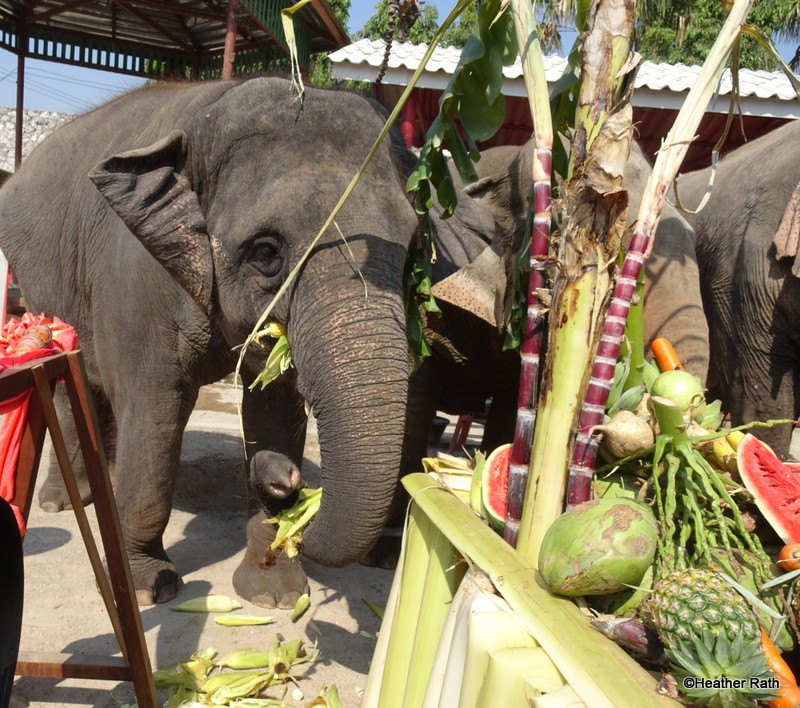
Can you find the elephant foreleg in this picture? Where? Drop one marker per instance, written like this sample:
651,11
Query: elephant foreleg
274,422
150,429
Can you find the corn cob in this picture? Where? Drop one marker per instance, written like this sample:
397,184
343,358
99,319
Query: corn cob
246,659
208,603
242,620
300,607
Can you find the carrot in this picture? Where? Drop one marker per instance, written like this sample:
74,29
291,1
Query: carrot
665,355
789,695
789,692
789,557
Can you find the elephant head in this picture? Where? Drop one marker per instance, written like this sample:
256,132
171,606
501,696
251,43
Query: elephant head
505,179
229,204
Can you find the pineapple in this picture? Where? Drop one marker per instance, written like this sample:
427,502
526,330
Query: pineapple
712,639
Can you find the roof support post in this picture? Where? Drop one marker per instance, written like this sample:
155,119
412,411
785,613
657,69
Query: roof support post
229,57
22,50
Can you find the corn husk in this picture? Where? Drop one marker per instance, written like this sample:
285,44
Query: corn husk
292,521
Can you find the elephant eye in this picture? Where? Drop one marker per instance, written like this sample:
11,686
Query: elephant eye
265,255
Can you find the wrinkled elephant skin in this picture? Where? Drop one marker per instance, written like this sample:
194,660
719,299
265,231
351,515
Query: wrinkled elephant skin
747,237
161,225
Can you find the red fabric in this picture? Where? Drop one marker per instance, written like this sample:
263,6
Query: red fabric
15,410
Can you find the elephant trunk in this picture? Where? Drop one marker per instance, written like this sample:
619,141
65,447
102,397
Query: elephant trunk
355,375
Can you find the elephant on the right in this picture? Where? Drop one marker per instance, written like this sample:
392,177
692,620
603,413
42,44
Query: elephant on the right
747,240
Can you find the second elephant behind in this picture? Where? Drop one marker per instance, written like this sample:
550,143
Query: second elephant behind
472,274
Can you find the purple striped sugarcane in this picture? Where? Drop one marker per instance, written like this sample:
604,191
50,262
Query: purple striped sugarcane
530,349
584,452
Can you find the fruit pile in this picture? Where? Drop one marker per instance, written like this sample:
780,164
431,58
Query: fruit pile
675,557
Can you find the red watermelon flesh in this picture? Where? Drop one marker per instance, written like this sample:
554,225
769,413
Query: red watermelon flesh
494,485
774,485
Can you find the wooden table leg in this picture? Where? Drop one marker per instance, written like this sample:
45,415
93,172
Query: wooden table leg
135,646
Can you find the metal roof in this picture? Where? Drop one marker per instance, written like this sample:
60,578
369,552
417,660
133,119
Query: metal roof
158,37
658,85
767,100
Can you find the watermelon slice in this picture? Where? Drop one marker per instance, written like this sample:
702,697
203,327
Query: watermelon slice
494,486
774,486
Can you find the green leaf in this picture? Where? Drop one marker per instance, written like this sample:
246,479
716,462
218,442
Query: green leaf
278,362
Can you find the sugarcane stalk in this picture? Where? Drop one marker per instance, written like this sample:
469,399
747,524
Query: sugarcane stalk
595,209
664,172
531,346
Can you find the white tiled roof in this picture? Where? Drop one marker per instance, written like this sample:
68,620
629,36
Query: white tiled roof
657,85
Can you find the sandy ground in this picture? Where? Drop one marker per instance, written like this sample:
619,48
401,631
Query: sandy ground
205,538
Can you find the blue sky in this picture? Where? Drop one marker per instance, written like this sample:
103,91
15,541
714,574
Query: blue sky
58,87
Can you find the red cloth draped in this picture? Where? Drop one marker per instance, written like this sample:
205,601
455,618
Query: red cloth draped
15,410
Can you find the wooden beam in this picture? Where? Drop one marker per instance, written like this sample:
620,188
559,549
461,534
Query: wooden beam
61,666
229,58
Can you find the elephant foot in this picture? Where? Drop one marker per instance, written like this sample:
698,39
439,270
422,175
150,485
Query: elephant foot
265,578
53,495
385,553
278,585
156,580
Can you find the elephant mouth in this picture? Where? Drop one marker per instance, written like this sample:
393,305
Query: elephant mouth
275,480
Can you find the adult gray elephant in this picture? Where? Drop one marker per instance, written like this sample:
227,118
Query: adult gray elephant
472,277
202,198
747,238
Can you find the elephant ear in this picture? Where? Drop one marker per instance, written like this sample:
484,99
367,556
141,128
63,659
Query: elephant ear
479,287
157,203
787,236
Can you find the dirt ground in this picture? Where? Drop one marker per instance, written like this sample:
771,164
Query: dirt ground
205,538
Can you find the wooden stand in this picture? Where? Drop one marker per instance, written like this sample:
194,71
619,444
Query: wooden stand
116,588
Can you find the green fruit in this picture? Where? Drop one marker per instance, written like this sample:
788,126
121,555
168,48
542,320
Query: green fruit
598,547
682,388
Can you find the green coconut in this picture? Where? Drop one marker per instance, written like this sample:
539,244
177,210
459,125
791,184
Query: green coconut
598,547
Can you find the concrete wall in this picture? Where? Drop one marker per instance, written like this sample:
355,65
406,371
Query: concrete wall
35,127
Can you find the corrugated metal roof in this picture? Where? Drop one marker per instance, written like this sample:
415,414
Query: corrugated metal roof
658,85
153,37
